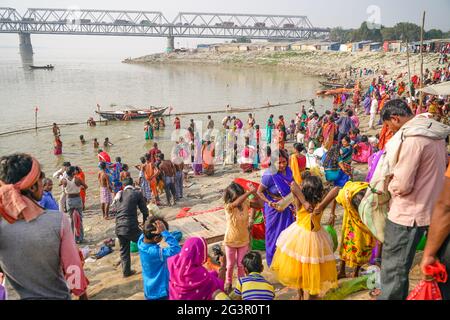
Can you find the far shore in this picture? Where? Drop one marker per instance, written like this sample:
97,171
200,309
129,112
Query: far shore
316,63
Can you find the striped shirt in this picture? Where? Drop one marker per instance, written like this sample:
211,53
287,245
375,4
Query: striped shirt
254,287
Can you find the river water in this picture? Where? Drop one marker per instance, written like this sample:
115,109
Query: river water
71,91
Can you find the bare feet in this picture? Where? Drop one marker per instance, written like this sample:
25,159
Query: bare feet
342,275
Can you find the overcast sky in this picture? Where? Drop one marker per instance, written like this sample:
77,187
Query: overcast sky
323,13
329,13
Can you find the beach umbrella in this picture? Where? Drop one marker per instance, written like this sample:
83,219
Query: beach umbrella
441,89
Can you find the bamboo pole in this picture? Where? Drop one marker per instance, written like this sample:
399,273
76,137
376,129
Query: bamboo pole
421,60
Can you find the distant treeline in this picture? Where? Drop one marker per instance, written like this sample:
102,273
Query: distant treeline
401,31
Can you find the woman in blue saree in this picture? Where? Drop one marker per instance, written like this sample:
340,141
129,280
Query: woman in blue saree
276,185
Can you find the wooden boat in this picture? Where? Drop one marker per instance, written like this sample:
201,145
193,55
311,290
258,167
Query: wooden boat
334,85
48,67
133,113
331,85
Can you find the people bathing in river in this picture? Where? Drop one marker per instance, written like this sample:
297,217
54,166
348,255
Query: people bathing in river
107,143
56,130
91,122
82,140
177,123
57,145
96,144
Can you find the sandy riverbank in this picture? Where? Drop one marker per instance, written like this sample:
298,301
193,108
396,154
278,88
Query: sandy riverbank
306,62
202,193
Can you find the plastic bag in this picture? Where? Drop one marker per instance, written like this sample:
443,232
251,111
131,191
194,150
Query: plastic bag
422,243
429,289
373,211
153,210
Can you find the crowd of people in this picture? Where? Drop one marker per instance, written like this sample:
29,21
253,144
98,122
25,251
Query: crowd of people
406,160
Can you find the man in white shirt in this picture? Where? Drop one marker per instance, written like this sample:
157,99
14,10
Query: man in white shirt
60,175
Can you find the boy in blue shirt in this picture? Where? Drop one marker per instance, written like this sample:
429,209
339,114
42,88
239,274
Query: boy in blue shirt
154,258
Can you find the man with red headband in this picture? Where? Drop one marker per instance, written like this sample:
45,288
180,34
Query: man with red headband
41,260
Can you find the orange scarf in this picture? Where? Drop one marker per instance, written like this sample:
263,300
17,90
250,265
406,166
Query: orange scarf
13,204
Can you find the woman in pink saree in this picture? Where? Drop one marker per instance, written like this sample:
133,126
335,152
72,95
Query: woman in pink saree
189,279
362,151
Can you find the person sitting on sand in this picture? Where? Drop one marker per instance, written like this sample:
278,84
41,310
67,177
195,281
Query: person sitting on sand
362,150
253,286
189,279
126,203
155,272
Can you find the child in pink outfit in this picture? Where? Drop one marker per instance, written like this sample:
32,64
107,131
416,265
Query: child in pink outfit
239,214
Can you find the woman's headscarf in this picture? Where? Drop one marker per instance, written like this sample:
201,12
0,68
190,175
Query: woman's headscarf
189,280
13,203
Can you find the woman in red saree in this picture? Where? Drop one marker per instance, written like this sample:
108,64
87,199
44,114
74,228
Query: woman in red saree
329,129
57,146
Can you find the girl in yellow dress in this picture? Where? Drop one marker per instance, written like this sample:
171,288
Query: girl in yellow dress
304,257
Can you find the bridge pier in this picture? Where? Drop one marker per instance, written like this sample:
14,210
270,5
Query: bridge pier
170,44
25,43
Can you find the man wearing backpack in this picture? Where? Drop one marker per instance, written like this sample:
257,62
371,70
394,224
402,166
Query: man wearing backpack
416,158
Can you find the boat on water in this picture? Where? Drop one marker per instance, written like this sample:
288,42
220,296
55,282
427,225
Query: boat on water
47,67
334,85
131,114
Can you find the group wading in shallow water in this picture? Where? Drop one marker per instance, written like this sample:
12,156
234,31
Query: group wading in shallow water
386,213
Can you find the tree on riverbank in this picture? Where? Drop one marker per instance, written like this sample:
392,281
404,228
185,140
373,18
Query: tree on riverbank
401,31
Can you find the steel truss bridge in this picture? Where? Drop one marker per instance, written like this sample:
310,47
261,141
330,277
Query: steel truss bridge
154,24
